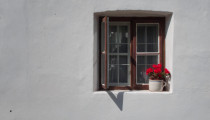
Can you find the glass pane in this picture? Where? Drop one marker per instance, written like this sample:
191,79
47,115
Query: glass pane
149,43
113,70
123,34
141,48
141,74
123,59
123,73
113,59
123,48
141,59
152,34
141,34
147,77
144,62
152,59
102,68
112,34
102,37
113,48
152,47
118,54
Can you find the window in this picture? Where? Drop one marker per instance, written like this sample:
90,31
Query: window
128,46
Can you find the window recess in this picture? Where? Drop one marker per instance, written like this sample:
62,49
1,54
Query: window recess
128,46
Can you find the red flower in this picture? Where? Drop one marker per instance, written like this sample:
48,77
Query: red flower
149,70
158,70
166,71
159,66
155,66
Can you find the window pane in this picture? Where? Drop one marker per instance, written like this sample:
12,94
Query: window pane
113,73
113,48
123,34
147,47
123,73
144,62
112,34
141,47
141,59
152,47
118,54
149,59
152,59
141,34
148,43
141,74
113,59
152,33
147,77
123,48
123,59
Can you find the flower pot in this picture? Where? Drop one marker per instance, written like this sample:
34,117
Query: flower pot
156,85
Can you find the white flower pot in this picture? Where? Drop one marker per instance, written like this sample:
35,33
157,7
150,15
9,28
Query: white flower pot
156,85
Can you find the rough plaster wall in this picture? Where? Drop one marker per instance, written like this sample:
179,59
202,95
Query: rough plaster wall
46,62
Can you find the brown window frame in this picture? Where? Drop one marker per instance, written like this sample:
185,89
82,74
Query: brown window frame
133,21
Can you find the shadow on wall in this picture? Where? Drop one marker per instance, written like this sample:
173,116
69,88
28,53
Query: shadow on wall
118,99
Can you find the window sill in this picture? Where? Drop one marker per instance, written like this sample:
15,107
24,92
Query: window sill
132,92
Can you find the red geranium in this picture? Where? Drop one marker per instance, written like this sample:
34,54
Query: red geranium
149,70
155,66
159,66
158,70
166,71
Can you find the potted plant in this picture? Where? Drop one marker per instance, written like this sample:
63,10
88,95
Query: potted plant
157,77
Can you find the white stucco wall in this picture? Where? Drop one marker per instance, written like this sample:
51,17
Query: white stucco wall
47,62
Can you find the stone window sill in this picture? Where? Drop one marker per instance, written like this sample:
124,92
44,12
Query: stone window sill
132,92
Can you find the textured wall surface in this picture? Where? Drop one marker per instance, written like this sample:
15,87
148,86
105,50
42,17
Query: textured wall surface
47,62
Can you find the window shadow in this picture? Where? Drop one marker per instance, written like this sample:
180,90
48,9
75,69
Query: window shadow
118,99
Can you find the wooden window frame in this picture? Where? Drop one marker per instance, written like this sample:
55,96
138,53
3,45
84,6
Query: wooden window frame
133,22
